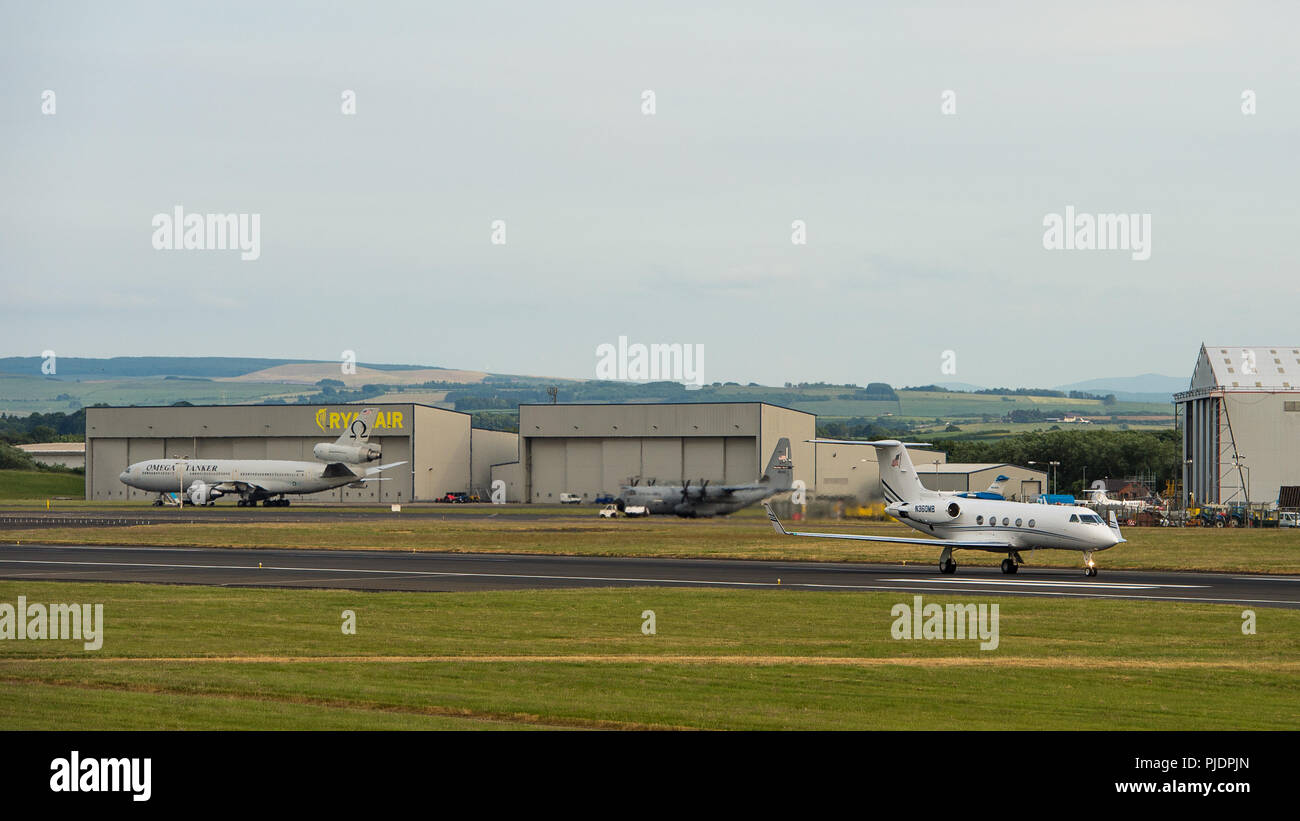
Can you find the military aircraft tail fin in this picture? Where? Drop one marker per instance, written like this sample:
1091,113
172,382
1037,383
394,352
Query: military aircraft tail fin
780,468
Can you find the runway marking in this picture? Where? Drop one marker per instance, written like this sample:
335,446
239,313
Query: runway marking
697,582
1072,661
1046,583
453,573
1268,578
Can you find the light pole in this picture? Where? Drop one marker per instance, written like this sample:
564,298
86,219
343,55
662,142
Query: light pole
1053,466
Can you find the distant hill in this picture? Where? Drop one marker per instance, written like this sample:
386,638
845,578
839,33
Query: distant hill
308,373
966,387
138,367
1148,387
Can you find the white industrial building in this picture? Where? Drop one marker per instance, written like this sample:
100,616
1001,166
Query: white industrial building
1241,424
61,454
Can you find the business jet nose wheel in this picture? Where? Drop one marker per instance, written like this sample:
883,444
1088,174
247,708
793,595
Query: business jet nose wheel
1089,568
1009,566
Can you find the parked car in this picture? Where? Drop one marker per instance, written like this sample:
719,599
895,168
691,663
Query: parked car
570,499
605,499
455,497
1288,518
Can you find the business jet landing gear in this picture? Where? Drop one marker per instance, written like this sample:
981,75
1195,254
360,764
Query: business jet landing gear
946,565
1090,568
1009,566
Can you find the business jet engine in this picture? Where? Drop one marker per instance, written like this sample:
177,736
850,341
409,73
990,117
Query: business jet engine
930,513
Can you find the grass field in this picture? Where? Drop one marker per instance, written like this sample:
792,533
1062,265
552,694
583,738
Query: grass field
742,536
195,657
33,484
39,394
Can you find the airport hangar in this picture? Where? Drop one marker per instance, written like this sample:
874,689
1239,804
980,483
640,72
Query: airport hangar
584,449
442,452
594,449
1240,417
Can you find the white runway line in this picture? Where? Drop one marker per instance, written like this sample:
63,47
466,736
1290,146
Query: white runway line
947,585
1042,583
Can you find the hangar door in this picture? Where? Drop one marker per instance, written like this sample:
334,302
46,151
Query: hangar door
108,460
661,459
582,467
1030,489
546,461
742,460
704,458
620,463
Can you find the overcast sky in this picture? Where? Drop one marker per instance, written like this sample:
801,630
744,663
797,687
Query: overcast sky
924,229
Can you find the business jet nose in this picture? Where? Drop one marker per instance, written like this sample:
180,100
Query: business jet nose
122,476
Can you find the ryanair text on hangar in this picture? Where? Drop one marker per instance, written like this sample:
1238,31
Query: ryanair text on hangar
336,420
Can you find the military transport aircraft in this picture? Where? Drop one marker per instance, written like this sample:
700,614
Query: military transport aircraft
706,499
254,480
992,525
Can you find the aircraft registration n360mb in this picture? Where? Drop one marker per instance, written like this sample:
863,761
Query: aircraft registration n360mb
971,522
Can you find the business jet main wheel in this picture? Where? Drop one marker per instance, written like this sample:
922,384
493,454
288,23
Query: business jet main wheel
1009,566
949,567
1090,571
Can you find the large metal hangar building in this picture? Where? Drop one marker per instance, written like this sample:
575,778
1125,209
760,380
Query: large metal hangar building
589,450
850,472
583,449
1241,424
441,451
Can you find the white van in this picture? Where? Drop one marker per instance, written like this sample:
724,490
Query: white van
570,499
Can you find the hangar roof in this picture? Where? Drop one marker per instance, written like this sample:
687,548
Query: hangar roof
1244,368
54,447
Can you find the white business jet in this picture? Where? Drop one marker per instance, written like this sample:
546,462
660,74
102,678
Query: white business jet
974,523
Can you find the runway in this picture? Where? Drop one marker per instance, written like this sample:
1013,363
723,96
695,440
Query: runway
448,572
24,519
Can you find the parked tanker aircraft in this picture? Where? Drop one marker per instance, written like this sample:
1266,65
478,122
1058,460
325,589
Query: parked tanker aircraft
253,480
974,523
